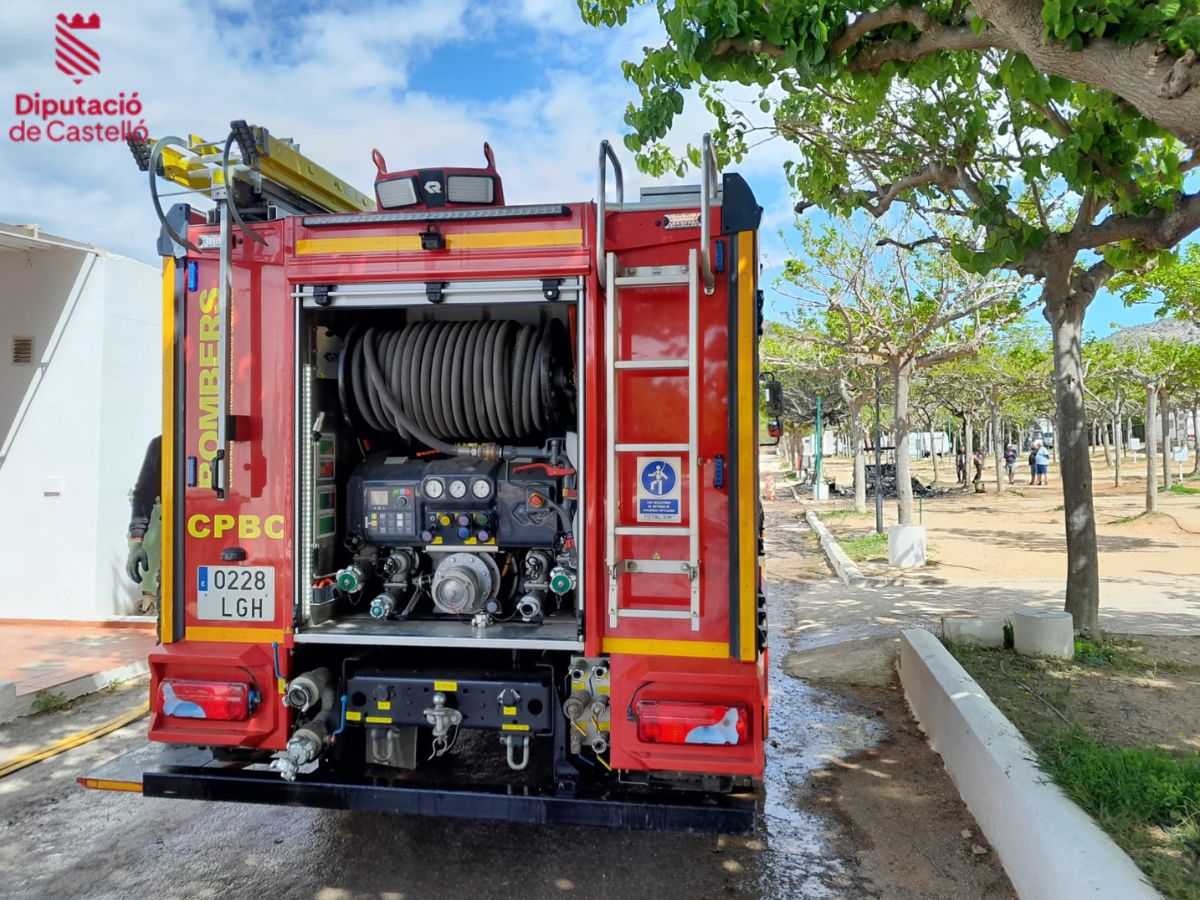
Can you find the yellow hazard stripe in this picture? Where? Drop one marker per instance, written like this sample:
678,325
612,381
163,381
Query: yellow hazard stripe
747,442
235,635
649,647
166,592
478,240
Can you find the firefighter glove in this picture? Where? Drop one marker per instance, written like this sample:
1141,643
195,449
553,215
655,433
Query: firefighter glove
138,560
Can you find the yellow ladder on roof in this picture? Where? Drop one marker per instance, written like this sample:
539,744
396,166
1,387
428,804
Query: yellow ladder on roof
272,166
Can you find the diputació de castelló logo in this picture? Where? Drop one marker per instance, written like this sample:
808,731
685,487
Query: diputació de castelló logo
79,119
72,54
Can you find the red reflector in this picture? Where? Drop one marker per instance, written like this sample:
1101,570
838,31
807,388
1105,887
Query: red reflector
683,722
228,701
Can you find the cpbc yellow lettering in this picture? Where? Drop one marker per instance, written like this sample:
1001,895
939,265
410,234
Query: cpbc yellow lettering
247,527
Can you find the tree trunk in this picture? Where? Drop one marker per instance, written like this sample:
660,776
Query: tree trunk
1117,450
1102,427
1151,450
1196,442
997,456
860,468
933,455
1065,315
901,374
1166,438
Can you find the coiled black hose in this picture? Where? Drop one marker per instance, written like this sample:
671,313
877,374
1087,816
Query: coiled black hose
499,381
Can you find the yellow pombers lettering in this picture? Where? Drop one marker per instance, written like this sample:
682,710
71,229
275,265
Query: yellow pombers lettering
245,527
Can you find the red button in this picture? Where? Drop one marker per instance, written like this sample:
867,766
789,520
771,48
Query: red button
536,501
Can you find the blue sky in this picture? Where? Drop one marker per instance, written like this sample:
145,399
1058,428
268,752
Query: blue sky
425,81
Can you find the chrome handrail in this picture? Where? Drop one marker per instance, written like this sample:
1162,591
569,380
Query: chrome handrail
606,150
708,187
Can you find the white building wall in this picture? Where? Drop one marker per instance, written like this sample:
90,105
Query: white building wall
89,409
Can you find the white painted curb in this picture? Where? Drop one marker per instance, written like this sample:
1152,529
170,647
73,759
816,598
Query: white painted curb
845,568
1050,848
14,707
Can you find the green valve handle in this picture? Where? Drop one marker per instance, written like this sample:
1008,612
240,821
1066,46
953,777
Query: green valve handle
561,580
350,579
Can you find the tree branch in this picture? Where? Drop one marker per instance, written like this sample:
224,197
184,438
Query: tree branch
1159,230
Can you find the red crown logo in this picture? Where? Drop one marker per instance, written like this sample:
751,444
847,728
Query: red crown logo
72,55
78,21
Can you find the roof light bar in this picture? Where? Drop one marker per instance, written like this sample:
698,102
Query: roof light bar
438,215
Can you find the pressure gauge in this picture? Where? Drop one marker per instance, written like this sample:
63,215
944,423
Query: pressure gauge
458,488
433,488
481,488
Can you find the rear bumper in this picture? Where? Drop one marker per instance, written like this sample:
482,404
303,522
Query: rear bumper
696,813
192,774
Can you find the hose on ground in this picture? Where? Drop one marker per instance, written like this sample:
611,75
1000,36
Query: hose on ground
439,382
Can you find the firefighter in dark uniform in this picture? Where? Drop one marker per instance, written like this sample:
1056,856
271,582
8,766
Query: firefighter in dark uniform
143,539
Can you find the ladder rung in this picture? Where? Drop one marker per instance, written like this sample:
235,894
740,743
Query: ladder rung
655,613
652,363
654,566
633,281
655,530
651,448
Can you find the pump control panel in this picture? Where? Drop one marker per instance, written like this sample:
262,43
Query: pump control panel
451,502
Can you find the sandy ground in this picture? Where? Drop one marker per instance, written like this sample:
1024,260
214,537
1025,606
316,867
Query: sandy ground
1153,706
1019,534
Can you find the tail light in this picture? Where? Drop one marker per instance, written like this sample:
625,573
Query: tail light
684,722
229,701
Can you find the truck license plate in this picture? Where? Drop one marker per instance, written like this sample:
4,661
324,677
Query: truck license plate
235,593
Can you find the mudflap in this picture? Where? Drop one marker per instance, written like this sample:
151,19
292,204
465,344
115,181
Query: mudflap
191,773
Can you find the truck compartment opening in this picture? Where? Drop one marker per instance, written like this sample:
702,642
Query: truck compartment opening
439,471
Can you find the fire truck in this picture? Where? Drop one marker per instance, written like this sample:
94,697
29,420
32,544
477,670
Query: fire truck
459,499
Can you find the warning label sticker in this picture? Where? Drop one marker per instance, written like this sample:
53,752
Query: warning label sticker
658,489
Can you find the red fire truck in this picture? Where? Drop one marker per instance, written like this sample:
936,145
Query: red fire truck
459,497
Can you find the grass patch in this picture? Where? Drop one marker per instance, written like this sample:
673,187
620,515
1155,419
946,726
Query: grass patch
1111,654
1058,508
1146,798
1182,489
861,547
49,701
1125,520
826,515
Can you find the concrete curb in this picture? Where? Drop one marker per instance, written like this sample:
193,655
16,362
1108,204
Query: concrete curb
1049,847
845,568
14,706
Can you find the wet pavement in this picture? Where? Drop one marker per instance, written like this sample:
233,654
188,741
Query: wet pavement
58,840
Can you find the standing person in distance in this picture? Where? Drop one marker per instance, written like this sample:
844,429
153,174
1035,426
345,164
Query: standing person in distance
1043,463
1010,461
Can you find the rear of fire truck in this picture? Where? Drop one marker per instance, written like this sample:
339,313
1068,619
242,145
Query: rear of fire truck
459,497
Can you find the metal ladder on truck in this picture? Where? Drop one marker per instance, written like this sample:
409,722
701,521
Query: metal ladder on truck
615,279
